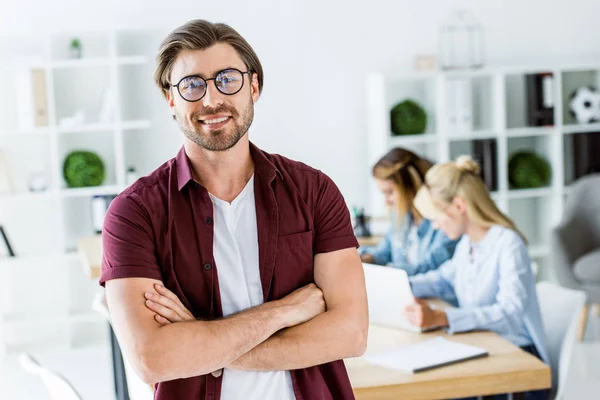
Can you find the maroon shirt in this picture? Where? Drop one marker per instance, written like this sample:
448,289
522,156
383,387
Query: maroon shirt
161,227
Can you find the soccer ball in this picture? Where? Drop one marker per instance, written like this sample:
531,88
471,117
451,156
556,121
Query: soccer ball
584,105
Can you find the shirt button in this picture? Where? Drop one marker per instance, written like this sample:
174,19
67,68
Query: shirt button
207,266
217,373
208,220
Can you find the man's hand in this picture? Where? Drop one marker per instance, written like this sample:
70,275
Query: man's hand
298,307
422,315
167,306
303,304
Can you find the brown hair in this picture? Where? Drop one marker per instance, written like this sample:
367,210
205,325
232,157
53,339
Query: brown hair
200,34
407,170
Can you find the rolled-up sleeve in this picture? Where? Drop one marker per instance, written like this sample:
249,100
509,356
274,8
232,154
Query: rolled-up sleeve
128,250
333,227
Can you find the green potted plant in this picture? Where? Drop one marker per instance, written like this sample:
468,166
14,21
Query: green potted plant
527,170
83,169
75,48
408,118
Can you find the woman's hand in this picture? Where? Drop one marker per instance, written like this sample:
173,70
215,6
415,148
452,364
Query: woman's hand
167,306
367,258
422,315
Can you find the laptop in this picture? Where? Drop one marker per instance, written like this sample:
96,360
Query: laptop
388,292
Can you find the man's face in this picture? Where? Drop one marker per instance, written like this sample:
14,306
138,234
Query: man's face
217,121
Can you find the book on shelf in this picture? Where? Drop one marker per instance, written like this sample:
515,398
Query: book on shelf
484,151
5,181
586,148
32,99
540,99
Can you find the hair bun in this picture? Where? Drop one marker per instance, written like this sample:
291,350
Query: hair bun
467,164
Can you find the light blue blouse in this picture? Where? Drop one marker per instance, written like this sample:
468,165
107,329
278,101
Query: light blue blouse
431,247
494,286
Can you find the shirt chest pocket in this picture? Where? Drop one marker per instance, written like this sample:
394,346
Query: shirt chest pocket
294,262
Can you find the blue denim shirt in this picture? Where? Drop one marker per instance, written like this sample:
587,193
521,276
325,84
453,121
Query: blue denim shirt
494,286
434,248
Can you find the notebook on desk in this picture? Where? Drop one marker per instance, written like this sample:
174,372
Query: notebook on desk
425,355
388,292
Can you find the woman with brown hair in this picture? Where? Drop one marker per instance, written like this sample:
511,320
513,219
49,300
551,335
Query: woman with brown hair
412,243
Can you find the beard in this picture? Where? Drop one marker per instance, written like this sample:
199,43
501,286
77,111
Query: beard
220,139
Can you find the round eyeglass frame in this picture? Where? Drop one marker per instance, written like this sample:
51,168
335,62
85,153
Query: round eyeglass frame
211,79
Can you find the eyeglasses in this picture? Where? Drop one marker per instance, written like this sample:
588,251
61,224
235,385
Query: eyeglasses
193,88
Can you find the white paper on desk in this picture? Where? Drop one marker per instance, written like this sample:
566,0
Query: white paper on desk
425,355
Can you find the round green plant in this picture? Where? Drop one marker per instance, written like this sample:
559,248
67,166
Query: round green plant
83,168
408,118
527,170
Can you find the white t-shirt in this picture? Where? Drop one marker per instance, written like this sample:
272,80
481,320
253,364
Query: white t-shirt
236,257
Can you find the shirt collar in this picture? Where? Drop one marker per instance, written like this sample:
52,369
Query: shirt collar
489,240
262,166
421,229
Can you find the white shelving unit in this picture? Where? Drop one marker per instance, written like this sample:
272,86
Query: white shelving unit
46,295
499,113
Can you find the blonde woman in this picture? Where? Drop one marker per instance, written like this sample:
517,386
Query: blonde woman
490,273
412,243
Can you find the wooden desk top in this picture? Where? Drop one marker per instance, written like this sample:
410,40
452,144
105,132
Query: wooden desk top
91,251
507,369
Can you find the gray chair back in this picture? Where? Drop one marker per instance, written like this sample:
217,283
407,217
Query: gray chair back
579,230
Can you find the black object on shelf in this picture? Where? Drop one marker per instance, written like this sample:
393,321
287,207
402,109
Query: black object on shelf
586,154
540,99
485,152
9,248
361,228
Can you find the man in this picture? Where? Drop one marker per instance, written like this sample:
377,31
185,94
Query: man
257,247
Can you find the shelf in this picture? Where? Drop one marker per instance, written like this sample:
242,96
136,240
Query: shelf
27,134
133,125
85,317
92,191
48,257
474,135
530,131
529,193
413,139
581,128
132,60
98,62
76,63
23,196
86,128
45,319
104,127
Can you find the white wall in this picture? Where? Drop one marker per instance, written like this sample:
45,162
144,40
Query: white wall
316,54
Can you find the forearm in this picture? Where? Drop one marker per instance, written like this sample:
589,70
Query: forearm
333,335
429,284
196,348
496,318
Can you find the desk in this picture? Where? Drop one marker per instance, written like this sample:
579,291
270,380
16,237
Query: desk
507,369
91,252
